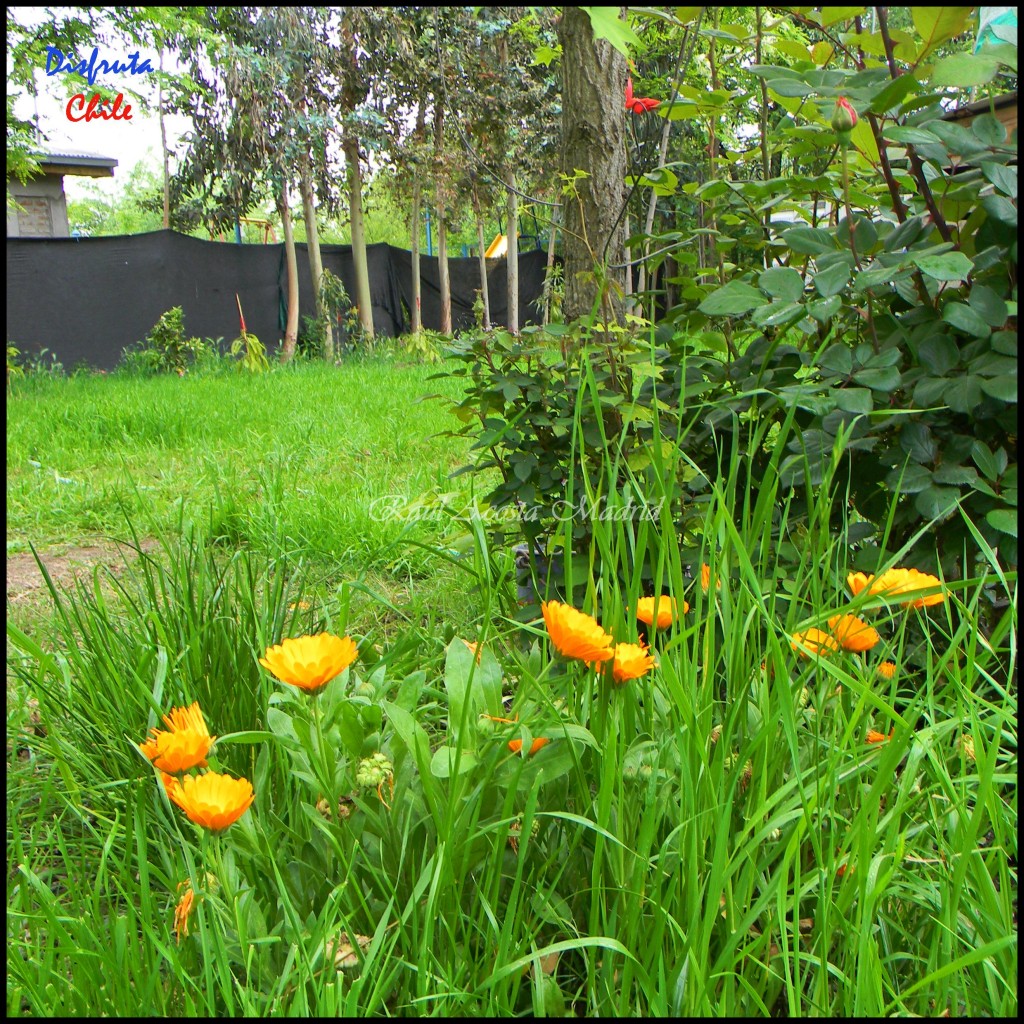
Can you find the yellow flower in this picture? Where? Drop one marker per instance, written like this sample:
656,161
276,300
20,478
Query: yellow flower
705,578
816,640
631,661
212,800
310,662
852,633
517,745
574,634
475,648
887,669
185,746
894,582
658,611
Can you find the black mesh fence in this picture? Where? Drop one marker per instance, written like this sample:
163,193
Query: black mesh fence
86,300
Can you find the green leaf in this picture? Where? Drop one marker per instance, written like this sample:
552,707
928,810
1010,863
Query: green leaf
885,378
607,24
988,305
778,314
837,359
1002,177
938,354
856,400
985,460
1003,520
732,299
963,394
782,283
824,309
936,502
911,480
1003,388
809,241
937,24
893,94
443,763
962,476
964,70
965,319
989,130
912,136
947,266
1001,209
790,88
917,441
833,280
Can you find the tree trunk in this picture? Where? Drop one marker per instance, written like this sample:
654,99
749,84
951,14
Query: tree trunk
512,254
593,140
291,331
552,232
442,228
316,266
163,147
416,313
482,241
355,186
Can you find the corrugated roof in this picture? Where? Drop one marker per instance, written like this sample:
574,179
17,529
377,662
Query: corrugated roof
65,156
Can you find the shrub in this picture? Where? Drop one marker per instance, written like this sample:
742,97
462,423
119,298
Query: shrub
165,349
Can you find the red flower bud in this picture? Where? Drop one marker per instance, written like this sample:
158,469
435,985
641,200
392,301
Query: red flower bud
639,105
844,117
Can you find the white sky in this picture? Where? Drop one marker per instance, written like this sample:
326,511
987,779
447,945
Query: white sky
127,142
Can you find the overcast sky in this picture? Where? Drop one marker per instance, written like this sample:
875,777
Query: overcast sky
127,142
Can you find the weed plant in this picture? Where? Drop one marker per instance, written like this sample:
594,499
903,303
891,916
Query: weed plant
749,827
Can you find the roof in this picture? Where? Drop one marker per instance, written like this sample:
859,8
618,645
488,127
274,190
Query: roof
77,161
983,106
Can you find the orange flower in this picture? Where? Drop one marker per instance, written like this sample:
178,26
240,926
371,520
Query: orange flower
816,640
212,800
893,582
574,634
310,662
658,611
183,910
475,648
185,746
705,578
852,633
517,745
879,737
631,661
887,669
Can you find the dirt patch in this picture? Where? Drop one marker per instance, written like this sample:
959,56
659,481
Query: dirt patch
25,581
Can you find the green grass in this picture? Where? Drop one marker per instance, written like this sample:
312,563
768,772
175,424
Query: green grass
716,837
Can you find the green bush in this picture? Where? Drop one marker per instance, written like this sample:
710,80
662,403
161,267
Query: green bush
165,349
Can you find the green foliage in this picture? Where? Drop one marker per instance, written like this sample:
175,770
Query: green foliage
165,349
14,367
251,353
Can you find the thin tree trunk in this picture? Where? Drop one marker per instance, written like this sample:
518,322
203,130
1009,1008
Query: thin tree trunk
550,266
316,266
355,185
484,296
442,228
666,131
416,313
163,146
594,141
291,331
512,254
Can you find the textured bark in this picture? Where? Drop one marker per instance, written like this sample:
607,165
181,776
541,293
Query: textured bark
482,242
316,265
291,331
593,140
512,254
416,313
444,281
355,186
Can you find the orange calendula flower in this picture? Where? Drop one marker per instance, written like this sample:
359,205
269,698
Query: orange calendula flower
887,669
817,641
852,633
879,737
184,746
310,662
705,578
894,582
631,661
658,611
517,745
575,634
475,648
183,910
212,800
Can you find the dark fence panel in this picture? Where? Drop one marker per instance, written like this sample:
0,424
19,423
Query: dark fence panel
86,300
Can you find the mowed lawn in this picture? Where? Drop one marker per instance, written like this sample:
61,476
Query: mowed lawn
309,462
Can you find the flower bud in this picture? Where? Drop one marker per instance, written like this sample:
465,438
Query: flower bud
373,771
844,117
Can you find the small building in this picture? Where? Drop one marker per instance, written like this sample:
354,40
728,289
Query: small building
42,210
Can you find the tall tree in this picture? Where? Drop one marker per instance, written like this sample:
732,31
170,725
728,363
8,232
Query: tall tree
593,141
